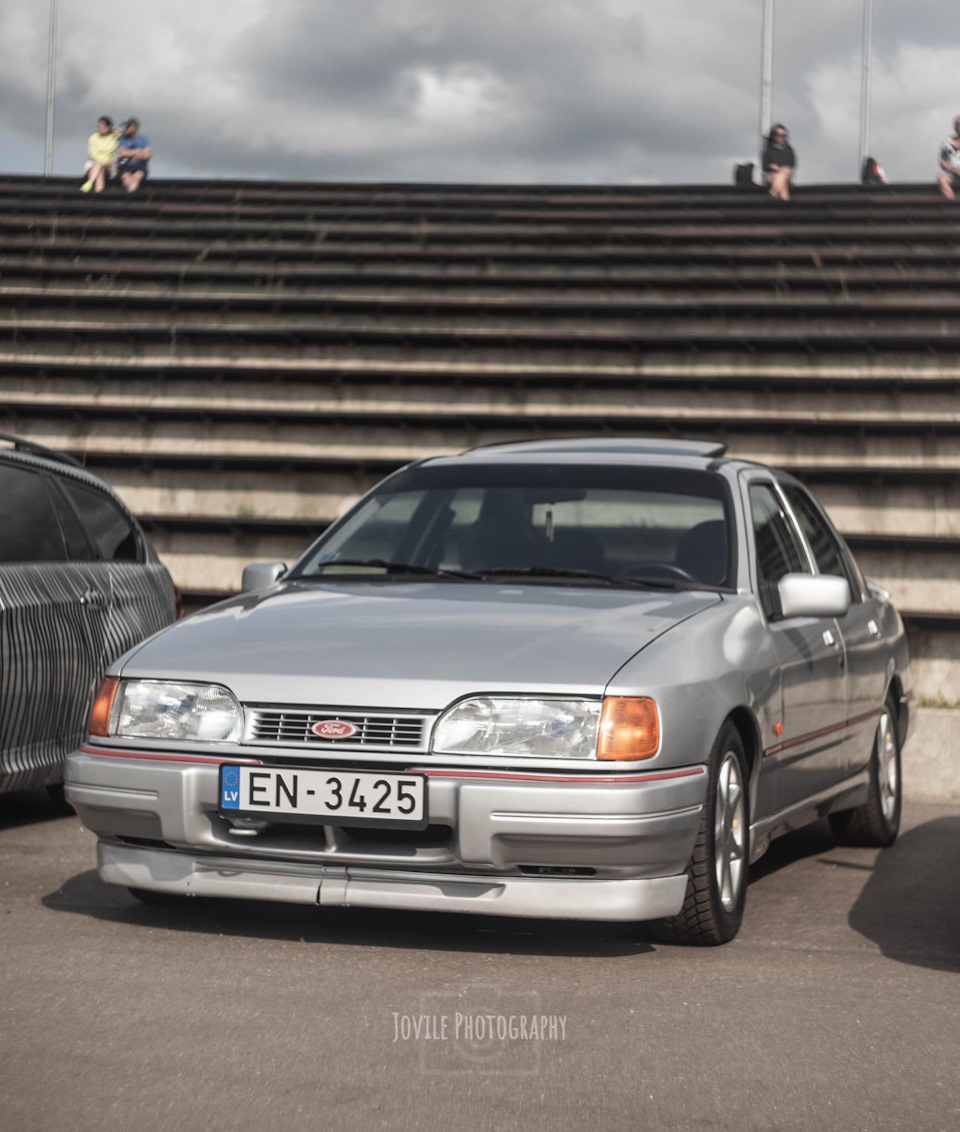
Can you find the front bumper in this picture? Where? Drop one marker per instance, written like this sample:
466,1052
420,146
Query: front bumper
496,837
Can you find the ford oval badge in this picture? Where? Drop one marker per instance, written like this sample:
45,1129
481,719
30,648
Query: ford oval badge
334,729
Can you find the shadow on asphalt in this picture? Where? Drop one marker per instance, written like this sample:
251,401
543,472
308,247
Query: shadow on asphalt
86,895
27,807
910,905
810,841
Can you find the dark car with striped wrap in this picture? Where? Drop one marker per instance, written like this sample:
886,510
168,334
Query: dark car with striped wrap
80,584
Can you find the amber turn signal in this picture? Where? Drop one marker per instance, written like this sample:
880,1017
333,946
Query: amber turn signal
629,729
102,706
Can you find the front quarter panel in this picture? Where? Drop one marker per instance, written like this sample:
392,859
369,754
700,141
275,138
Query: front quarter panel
701,671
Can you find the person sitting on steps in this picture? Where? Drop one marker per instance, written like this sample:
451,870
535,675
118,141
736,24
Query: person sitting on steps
779,163
101,151
133,156
949,175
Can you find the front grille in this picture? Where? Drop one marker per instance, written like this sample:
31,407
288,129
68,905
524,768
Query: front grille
292,727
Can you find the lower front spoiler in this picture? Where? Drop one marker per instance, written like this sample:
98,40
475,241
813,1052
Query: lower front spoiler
186,874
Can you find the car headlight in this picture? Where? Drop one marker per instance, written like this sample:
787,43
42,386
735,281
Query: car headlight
562,729
620,729
156,709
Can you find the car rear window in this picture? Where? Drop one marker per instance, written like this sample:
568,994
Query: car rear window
660,524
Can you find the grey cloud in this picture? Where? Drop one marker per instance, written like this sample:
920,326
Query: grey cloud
525,90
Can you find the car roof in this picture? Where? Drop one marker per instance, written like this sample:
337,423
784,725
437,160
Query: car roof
653,452
30,455
603,446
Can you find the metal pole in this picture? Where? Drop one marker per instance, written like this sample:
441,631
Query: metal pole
766,75
865,83
51,88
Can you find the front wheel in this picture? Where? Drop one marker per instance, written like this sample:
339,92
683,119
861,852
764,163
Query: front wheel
877,822
717,874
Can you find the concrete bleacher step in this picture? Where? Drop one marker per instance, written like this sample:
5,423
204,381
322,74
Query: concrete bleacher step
659,340
872,372
525,202
907,408
148,434
289,255
176,303
54,267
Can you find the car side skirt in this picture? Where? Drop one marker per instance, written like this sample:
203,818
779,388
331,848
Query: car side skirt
844,795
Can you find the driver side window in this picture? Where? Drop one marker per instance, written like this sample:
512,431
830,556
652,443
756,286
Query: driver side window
777,547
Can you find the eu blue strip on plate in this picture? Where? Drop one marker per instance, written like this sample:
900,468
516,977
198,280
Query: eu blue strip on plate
230,788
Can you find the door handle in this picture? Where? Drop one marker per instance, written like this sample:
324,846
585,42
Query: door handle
93,599
831,642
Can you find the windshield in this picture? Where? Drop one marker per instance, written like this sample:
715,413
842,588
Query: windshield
661,525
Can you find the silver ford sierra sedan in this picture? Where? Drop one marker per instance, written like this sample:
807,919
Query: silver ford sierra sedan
582,679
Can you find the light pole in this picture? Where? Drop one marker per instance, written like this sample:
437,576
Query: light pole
766,75
865,83
51,88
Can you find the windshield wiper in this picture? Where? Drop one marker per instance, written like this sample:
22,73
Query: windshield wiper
389,567
395,568
571,572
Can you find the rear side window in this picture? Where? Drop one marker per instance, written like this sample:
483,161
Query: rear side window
778,550
823,542
29,530
108,528
79,547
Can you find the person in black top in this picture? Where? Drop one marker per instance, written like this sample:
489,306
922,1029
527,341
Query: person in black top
949,172
779,162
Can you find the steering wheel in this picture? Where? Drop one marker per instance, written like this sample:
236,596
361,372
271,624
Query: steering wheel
654,570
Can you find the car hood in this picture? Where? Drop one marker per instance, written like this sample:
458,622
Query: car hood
412,645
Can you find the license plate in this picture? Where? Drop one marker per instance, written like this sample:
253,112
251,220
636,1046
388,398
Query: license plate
324,797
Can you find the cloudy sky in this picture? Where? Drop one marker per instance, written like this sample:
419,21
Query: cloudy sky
478,90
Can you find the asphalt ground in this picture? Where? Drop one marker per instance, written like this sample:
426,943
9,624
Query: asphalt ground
837,1007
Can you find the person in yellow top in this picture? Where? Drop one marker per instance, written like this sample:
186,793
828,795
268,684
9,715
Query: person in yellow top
102,152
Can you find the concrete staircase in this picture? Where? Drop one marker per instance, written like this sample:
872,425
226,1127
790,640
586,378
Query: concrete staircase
242,359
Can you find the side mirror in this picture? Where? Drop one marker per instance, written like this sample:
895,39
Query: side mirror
813,595
259,575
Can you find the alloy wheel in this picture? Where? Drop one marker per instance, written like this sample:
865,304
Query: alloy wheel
730,832
888,771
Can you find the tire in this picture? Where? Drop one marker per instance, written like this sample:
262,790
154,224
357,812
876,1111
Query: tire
158,899
877,822
713,909
58,797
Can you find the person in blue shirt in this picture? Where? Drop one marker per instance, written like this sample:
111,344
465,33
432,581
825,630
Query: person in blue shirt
133,156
